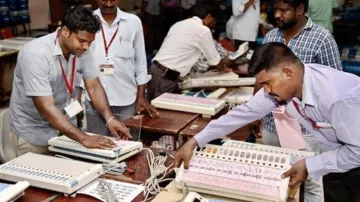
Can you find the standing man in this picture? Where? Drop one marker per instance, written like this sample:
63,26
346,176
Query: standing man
182,47
325,101
321,12
43,88
119,53
243,25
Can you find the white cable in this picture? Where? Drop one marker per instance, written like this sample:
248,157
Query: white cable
158,171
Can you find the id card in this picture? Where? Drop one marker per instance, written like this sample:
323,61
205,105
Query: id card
107,68
73,108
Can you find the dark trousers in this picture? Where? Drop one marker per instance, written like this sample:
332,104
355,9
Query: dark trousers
159,85
342,187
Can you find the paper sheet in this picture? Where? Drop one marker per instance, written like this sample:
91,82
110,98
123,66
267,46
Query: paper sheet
124,192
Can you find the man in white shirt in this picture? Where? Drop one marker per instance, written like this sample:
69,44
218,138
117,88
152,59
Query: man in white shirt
119,52
182,47
244,23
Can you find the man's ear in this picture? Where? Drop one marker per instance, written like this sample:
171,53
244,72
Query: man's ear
300,10
65,32
207,19
288,72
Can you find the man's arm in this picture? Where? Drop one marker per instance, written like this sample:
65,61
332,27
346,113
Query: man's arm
257,107
141,74
207,47
99,100
98,97
46,106
241,6
344,118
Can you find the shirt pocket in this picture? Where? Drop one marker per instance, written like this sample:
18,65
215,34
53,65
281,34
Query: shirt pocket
306,55
125,50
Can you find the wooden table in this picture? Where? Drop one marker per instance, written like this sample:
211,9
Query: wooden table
200,123
137,162
168,123
8,53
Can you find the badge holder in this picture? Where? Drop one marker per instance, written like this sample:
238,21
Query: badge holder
107,68
73,108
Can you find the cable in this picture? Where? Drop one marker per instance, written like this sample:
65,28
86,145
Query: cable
158,171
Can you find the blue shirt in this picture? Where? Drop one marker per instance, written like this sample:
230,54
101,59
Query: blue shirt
329,96
313,44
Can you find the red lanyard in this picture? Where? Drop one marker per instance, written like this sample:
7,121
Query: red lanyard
111,40
313,123
69,86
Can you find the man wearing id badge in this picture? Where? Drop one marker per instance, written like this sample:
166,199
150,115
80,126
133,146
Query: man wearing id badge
43,99
322,99
119,54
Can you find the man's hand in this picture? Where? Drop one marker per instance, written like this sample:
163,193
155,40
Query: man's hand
142,103
255,128
297,173
226,61
98,142
185,153
118,130
226,69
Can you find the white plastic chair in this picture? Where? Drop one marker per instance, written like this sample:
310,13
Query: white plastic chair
4,132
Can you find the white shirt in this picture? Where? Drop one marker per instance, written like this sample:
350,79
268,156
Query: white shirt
153,7
183,45
127,52
244,25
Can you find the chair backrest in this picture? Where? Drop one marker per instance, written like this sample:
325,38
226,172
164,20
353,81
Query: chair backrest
6,33
4,130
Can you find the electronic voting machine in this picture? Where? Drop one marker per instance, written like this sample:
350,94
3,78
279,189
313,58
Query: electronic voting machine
204,106
240,170
52,173
123,150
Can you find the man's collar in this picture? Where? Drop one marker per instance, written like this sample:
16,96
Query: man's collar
309,23
308,97
197,19
57,51
120,15
55,40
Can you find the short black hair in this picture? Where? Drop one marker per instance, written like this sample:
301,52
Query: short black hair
296,3
204,8
269,55
81,18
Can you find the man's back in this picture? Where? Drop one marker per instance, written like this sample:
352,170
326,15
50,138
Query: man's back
321,12
181,49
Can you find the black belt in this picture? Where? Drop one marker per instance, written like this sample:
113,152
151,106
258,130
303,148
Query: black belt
168,73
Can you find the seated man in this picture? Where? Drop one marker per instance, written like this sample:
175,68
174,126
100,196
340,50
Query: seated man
182,47
44,81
